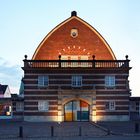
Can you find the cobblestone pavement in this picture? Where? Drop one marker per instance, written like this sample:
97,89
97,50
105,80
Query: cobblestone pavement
37,130
9,130
121,127
81,138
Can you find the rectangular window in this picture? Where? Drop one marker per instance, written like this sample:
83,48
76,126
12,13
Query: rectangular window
76,81
110,81
43,105
43,80
110,105
19,106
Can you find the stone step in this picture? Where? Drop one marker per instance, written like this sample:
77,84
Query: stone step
78,128
48,129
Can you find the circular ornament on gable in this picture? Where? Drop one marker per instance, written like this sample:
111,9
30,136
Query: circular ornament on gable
74,33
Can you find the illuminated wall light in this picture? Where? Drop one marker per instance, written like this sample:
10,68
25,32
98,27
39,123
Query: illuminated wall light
79,47
94,117
60,116
60,119
8,113
63,49
74,46
68,47
84,50
99,118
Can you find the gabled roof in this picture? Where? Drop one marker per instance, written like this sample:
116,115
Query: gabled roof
3,88
59,41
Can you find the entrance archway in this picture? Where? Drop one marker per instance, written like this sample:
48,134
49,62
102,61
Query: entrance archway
76,110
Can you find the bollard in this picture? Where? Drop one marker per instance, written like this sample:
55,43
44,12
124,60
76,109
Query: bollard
108,132
136,128
21,132
80,131
52,131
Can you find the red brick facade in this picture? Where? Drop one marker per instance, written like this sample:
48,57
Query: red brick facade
59,41
60,91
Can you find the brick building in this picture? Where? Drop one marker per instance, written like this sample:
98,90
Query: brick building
75,76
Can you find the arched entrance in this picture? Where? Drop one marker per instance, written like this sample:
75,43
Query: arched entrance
76,110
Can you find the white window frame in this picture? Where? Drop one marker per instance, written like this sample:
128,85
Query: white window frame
43,80
76,81
110,81
43,105
19,106
111,105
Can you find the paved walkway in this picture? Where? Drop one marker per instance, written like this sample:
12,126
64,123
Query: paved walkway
66,131
41,129
121,127
81,138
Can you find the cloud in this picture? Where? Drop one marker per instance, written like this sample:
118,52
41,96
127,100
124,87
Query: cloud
10,75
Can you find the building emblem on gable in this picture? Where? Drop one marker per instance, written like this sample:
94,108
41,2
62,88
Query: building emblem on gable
74,32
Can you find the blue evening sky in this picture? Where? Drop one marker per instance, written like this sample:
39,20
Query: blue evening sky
24,23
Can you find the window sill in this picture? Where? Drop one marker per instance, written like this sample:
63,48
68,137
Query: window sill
79,87
42,87
110,87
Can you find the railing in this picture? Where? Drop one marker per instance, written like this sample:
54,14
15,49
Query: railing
76,63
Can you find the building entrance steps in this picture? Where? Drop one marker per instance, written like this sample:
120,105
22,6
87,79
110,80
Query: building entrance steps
10,129
49,129
78,129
